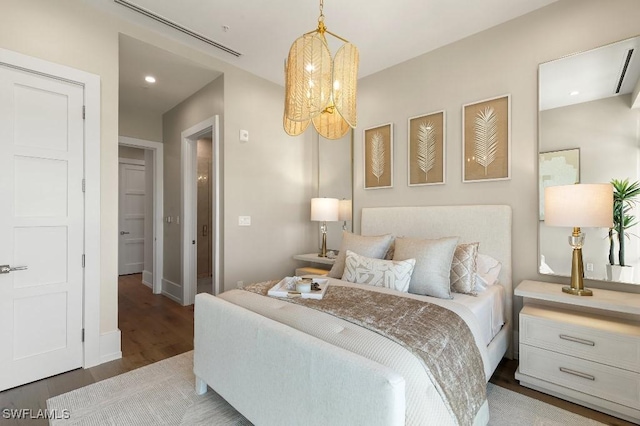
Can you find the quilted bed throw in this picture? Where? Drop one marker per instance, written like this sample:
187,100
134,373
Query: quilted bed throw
439,338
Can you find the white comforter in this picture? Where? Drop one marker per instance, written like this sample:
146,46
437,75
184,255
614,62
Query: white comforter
424,405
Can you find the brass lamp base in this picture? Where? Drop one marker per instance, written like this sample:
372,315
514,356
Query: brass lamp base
577,291
577,268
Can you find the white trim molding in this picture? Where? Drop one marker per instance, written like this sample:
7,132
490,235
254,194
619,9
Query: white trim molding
110,346
158,204
147,278
189,139
92,140
168,289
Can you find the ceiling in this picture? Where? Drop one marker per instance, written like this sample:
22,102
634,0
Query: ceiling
176,77
386,32
589,76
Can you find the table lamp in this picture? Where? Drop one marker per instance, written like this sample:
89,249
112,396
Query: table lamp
344,212
578,206
324,210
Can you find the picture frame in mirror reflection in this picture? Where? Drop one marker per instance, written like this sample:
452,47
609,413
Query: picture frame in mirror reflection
557,168
426,149
486,140
378,157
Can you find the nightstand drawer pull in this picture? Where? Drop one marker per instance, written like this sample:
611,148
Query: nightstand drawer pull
577,340
577,373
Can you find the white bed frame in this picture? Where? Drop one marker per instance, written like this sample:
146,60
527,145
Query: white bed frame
490,225
240,353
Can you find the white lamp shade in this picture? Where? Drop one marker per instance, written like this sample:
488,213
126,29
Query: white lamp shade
344,212
581,205
324,209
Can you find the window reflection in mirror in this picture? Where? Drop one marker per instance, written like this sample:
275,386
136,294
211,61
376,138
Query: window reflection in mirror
335,180
590,102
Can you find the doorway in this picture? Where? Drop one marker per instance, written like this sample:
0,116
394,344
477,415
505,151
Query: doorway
153,164
204,243
192,231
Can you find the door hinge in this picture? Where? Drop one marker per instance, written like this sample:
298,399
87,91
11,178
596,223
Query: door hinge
83,334
84,112
83,260
84,185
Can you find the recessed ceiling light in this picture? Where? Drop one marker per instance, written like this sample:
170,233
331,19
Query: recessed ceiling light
574,93
150,79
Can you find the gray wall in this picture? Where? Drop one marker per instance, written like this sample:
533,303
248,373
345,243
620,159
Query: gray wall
203,104
140,124
501,60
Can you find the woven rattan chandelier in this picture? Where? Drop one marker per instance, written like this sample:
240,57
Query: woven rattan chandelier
318,88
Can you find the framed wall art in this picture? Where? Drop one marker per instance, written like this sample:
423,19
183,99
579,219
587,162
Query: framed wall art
557,168
378,157
486,140
426,149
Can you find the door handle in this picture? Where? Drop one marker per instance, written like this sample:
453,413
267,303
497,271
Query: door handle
5,269
124,233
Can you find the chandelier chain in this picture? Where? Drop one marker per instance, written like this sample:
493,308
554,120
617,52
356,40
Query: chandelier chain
321,17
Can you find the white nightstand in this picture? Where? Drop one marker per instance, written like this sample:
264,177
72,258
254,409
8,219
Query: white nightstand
582,349
324,264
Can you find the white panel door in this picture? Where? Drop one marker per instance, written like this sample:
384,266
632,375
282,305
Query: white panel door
131,217
41,226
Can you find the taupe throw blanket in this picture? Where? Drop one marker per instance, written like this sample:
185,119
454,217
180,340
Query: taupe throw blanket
439,338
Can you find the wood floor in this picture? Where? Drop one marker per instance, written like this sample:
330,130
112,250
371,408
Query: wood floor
154,328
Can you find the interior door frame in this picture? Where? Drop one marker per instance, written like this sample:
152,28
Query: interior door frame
189,230
92,223
157,149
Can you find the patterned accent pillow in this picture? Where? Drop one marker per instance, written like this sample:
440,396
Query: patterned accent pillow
463,269
433,264
375,246
393,274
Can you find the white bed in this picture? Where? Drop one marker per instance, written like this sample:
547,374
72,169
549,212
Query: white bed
320,369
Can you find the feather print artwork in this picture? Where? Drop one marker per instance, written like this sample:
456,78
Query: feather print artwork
486,137
426,148
377,155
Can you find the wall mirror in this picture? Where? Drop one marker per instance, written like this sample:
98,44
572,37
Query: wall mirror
589,132
335,180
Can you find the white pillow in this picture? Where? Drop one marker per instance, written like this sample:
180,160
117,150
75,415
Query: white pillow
370,246
391,274
431,275
488,268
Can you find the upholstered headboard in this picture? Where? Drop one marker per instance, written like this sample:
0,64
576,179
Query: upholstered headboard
490,225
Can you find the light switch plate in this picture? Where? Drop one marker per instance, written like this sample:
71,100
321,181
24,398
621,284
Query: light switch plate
244,220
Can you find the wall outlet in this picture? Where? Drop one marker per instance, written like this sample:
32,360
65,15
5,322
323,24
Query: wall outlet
240,284
589,267
244,220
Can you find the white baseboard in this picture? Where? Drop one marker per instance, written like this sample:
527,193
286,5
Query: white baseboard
147,278
110,346
172,290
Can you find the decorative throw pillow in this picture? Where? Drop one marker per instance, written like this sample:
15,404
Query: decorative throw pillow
488,268
375,247
463,269
433,264
393,274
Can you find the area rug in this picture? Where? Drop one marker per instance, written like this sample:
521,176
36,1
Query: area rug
163,394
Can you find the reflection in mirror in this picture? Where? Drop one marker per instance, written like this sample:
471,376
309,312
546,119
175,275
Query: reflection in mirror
589,125
335,180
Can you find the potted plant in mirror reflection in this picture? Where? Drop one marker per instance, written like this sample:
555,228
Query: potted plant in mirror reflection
624,199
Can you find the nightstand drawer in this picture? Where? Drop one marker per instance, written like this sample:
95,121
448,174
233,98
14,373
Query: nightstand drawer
609,383
606,340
